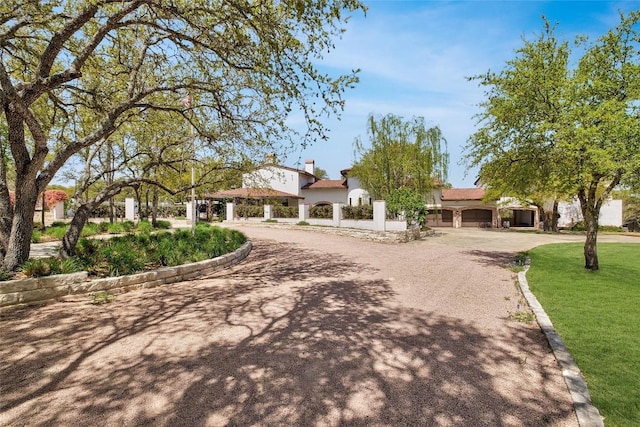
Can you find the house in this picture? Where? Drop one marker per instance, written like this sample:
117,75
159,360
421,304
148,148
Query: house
290,186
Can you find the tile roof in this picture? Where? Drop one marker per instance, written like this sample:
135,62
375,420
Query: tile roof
251,193
463,194
326,183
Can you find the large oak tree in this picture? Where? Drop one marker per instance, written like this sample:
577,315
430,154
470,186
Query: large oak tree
563,128
73,72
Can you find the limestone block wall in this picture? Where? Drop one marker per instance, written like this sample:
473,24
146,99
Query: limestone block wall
47,289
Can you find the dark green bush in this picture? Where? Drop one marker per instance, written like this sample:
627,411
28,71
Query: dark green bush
321,212
357,212
580,226
285,211
162,224
247,211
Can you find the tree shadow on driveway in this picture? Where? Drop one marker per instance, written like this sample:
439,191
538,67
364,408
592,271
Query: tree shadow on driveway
290,337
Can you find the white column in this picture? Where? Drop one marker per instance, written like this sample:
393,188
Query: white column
268,212
231,211
303,212
129,209
190,211
58,211
337,214
379,215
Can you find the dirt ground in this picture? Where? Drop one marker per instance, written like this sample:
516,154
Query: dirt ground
310,330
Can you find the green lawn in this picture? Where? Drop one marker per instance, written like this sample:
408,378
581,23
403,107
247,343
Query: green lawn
598,316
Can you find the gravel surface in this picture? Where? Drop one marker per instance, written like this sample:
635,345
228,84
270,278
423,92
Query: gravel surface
311,329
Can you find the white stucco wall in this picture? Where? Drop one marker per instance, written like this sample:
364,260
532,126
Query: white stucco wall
610,213
273,177
331,195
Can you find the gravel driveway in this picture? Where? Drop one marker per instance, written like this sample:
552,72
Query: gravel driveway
311,329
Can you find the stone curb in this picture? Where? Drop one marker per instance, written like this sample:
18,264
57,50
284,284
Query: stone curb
588,415
24,292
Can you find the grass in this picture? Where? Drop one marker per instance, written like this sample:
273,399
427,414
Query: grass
597,315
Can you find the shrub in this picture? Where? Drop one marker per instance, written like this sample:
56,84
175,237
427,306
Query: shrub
357,212
303,223
285,211
36,267
144,227
248,211
162,224
36,236
321,211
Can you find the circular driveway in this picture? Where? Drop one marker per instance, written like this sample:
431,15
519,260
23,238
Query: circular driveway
311,329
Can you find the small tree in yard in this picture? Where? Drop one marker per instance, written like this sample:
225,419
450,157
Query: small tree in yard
402,153
408,203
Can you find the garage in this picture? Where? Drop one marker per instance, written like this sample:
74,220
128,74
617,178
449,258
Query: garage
477,218
439,218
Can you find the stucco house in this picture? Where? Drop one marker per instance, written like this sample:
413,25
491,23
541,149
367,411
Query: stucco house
450,207
291,186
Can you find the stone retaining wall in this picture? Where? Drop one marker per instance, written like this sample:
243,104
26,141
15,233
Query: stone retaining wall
46,289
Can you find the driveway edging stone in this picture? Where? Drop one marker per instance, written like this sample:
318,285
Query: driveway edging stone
588,415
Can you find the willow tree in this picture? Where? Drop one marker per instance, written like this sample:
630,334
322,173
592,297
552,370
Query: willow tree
400,153
74,72
547,128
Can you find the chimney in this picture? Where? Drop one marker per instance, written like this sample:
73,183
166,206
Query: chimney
270,158
309,166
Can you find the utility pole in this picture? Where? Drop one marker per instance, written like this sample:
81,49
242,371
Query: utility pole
186,101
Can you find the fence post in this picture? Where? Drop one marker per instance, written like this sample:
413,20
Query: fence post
231,211
379,215
337,214
303,211
268,212
129,209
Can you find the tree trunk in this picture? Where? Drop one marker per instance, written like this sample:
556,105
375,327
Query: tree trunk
154,207
19,243
590,244
71,237
554,217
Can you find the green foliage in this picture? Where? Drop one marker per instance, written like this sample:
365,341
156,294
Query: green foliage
320,173
36,236
144,227
5,275
162,224
596,314
580,226
107,78
39,267
285,211
135,253
552,131
321,212
248,211
400,153
407,202
357,212
303,223
271,220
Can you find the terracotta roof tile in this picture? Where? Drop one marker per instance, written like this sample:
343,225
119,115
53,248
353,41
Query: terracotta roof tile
326,183
463,194
251,193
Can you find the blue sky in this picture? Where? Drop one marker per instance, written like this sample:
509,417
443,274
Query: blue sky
415,57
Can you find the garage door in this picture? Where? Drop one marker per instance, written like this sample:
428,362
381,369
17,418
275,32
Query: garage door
441,218
477,218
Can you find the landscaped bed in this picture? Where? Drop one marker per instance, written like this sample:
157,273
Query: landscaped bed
597,315
143,250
